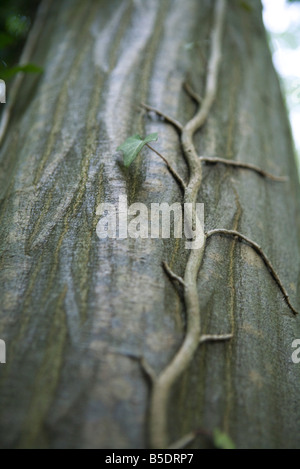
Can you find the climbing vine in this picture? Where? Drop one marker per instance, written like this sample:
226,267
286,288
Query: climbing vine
163,382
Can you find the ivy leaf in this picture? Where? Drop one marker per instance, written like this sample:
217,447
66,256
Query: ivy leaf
133,145
222,440
28,68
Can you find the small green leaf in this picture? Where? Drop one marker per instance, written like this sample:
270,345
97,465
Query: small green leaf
133,145
222,440
28,68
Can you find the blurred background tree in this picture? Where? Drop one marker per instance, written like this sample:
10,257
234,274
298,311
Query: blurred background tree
282,20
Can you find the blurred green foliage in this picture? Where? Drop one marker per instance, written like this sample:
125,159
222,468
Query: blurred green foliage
16,17
12,71
222,440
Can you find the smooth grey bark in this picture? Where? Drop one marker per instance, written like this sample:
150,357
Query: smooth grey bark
77,312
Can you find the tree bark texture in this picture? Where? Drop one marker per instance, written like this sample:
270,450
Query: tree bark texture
77,313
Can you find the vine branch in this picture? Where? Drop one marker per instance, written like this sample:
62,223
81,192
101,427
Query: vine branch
170,168
167,118
241,165
195,96
164,381
172,275
148,370
214,338
184,441
261,253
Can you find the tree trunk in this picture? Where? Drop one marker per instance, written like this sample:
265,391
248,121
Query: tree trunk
77,312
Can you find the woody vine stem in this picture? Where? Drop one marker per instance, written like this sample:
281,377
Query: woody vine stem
163,382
